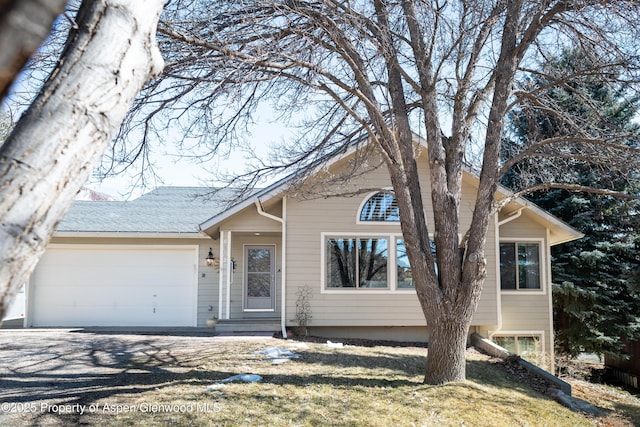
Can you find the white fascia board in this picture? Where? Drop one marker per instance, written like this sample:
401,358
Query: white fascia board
572,233
250,201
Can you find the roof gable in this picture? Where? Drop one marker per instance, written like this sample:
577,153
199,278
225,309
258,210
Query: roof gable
560,231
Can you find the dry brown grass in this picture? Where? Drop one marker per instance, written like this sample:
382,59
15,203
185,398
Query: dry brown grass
378,385
622,407
351,386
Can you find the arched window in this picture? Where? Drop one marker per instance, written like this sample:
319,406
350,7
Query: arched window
381,207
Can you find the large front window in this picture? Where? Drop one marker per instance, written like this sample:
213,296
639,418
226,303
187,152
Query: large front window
367,262
519,266
358,262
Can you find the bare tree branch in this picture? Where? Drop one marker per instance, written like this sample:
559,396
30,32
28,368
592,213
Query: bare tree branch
452,72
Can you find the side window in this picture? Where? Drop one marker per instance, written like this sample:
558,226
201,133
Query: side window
381,207
519,266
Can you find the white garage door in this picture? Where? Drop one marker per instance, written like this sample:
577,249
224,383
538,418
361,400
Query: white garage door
105,285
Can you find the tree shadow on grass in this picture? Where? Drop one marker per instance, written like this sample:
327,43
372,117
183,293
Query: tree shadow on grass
409,365
405,365
77,371
148,331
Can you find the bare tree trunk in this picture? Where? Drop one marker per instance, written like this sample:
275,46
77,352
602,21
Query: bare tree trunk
24,24
446,360
50,153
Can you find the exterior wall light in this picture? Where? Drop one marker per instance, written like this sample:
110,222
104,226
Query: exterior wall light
211,261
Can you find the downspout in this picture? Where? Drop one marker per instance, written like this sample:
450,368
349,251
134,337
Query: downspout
229,275
549,280
517,215
283,269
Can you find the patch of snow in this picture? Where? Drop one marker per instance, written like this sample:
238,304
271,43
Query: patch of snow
334,344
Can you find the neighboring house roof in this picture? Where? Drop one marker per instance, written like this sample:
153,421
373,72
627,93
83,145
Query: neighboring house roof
92,195
163,210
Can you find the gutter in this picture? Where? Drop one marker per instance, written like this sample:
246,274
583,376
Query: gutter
132,234
283,282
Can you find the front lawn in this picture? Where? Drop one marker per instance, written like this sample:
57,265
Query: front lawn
350,386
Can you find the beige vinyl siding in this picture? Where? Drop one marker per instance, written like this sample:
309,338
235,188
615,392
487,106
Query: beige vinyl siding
524,226
393,333
207,276
207,283
487,311
528,310
249,220
307,220
525,312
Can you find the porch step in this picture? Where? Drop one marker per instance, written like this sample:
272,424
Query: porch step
248,325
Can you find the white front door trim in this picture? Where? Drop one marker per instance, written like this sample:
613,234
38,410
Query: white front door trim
269,305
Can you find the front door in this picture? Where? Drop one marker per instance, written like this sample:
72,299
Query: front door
260,283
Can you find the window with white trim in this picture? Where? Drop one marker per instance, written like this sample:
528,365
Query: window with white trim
367,262
519,344
357,262
520,266
381,207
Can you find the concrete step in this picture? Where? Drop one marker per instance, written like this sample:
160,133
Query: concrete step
248,325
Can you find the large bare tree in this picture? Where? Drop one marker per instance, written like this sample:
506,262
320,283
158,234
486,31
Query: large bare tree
111,52
448,70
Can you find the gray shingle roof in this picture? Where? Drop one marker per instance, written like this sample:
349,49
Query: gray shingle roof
163,210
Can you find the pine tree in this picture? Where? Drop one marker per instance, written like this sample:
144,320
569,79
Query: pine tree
596,292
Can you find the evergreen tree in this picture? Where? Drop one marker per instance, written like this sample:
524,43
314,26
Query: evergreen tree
596,293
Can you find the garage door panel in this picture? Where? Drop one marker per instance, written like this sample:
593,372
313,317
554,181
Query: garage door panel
118,295
78,315
116,286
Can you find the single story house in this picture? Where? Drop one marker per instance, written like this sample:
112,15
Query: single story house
175,257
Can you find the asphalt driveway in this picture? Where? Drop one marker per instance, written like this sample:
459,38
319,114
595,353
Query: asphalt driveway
47,375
